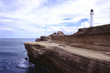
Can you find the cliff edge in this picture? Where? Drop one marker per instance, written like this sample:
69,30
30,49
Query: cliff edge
87,51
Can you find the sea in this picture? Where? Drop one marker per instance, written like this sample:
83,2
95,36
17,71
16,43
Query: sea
13,54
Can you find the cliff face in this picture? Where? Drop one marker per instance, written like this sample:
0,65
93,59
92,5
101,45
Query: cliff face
67,59
94,38
87,51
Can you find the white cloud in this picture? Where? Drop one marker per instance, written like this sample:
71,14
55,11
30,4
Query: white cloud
66,30
84,25
10,29
35,15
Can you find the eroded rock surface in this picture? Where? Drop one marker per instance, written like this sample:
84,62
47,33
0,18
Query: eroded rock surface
67,59
42,38
87,51
93,38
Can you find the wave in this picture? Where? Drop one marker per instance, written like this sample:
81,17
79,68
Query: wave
25,64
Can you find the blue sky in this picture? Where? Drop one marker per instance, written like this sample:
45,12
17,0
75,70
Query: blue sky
34,18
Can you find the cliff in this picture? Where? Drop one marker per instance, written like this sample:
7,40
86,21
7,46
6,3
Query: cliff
93,38
87,51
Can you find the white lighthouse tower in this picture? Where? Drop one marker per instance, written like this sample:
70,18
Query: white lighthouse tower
91,17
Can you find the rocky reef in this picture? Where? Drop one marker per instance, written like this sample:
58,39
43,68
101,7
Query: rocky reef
86,51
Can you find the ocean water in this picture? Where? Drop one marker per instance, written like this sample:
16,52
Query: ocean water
12,57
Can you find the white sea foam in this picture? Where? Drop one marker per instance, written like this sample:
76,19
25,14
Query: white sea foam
25,64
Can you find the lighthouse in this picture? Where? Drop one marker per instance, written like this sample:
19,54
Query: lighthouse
91,17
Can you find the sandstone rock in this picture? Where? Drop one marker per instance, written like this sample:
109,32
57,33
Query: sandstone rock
67,59
37,40
60,33
86,51
93,38
104,29
42,38
53,35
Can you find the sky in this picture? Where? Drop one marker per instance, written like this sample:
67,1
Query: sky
35,18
